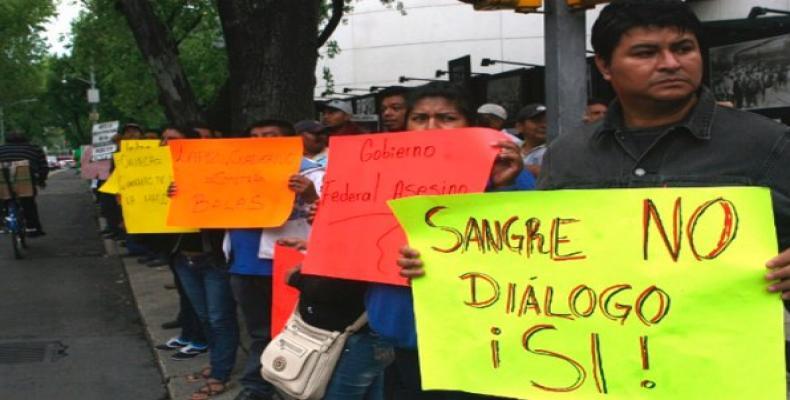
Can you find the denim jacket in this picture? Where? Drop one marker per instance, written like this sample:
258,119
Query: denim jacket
713,146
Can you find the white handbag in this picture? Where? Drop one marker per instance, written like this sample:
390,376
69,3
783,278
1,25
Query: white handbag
301,358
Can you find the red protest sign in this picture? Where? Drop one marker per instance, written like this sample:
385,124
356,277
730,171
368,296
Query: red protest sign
284,297
355,236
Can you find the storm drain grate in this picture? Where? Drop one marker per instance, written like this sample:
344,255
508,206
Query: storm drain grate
31,352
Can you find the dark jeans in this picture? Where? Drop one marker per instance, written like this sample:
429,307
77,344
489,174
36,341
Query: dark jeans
31,212
359,374
111,211
208,289
254,295
191,329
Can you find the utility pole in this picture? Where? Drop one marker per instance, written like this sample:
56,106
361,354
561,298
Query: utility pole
92,93
566,67
93,97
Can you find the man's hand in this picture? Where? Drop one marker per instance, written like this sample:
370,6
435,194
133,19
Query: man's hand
172,189
296,243
303,187
779,271
410,263
312,210
507,165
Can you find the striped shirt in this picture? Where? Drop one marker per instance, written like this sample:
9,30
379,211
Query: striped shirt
27,151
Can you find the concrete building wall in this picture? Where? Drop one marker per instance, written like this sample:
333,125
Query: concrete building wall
378,44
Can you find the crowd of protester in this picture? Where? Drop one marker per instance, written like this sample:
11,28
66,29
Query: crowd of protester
218,272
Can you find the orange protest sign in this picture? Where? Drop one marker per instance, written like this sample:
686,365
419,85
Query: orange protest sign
284,297
233,183
355,236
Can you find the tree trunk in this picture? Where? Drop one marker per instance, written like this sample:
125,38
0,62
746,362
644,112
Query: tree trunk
272,53
160,51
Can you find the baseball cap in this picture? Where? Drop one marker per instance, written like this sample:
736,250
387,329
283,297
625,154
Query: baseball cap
341,105
310,126
531,111
493,109
131,125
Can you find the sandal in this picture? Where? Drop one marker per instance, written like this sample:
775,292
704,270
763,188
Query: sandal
202,375
212,388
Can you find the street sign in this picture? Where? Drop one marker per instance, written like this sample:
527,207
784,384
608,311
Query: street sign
103,146
93,96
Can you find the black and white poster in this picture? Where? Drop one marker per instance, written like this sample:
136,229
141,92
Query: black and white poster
753,74
103,145
505,91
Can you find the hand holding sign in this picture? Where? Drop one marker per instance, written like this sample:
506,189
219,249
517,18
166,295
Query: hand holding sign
355,236
549,295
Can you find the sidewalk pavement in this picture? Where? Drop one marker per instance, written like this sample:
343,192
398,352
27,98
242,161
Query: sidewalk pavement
158,305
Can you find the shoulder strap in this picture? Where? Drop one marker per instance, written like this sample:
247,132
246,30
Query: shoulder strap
359,323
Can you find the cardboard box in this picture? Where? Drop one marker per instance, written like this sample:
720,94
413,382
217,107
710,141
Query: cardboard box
21,180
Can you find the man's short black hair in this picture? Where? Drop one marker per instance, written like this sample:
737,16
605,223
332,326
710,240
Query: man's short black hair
188,131
286,127
16,137
621,15
402,91
451,92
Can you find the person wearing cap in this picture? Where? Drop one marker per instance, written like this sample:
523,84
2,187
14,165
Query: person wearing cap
492,116
393,108
531,125
131,131
315,139
336,115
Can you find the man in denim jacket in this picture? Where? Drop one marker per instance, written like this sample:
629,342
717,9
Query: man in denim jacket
665,128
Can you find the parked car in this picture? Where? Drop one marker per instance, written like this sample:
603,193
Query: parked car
52,162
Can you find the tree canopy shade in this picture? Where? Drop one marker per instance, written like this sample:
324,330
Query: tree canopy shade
271,46
225,62
102,39
22,57
22,48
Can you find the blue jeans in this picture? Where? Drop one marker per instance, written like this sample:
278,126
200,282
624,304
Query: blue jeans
191,328
359,373
208,289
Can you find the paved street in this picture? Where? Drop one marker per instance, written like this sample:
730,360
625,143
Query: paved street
70,328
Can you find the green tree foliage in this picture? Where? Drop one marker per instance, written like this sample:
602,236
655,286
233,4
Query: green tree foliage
22,55
102,39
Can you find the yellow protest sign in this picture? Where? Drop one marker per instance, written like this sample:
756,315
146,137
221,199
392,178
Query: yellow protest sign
147,172
139,144
111,185
616,294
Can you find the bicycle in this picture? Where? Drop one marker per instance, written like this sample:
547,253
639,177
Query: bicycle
15,217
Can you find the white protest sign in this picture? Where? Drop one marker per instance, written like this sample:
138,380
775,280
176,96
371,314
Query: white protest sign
103,146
